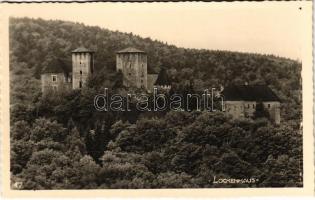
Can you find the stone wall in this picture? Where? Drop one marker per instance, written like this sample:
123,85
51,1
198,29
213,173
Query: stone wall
134,69
82,67
239,109
273,108
54,82
249,108
235,108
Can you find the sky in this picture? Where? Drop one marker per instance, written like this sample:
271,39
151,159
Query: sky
258,27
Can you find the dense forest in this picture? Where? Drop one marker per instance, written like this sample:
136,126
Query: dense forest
60,141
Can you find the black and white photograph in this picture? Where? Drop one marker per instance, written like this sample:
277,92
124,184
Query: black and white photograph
157,95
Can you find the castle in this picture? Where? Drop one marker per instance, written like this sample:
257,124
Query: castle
240,101
131,62
57,74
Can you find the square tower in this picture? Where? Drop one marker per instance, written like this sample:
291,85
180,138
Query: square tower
82,66
133,65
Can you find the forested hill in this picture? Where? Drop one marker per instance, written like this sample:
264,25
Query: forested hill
60,141
34,41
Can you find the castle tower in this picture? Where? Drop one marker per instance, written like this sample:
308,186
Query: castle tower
82,66
133,65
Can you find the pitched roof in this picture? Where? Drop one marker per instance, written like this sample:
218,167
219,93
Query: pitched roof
163,78
130,50
57,66
82,50
249,93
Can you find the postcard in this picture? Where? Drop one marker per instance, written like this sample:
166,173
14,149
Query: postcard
160,99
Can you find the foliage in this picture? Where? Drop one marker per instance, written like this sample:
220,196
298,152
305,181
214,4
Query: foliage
60,141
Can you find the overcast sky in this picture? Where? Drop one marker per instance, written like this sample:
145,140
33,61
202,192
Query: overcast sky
260,27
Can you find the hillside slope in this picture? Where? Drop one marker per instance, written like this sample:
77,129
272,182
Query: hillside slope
34,41
60,141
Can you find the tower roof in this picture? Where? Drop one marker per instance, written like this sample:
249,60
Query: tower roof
163,78
82,50
130,50
57,66
249,93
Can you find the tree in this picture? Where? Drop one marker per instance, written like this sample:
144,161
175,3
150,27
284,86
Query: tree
20,153
282,172
47,129
124,170
174,180
20,130
74,144
88,173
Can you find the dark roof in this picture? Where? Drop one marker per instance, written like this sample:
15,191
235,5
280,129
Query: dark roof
57,66
249,93
163,78
82,50
130,50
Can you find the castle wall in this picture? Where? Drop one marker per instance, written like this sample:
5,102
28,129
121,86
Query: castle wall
235,108
134,69
247,109
54,82
82,67
273,107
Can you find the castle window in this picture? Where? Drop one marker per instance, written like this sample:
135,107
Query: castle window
253,105
80,84
80,72
54,78
247,105
268,105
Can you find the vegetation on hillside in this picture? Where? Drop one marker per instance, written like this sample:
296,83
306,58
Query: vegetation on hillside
60,141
